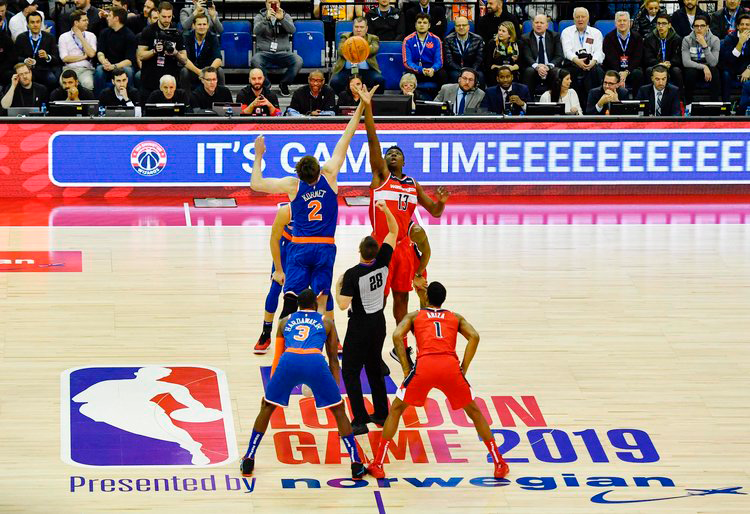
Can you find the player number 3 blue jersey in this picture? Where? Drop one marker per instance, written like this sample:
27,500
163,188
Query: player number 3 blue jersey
305,330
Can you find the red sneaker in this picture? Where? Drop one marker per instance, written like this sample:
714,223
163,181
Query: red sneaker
501,469
262,345
376,470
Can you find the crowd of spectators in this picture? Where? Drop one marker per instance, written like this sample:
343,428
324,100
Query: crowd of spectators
130,54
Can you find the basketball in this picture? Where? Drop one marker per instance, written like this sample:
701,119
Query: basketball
355,49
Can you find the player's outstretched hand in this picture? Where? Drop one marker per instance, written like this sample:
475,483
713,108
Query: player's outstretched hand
381,205
365,95
260,145
442,194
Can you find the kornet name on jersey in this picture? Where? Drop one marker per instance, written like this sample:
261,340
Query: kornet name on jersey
315,210
305,330
401,197
436,331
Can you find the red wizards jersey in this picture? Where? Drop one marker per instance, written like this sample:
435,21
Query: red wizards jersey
401,197
436,331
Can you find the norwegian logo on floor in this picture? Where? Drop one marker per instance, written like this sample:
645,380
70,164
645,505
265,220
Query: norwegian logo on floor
41,262
150,415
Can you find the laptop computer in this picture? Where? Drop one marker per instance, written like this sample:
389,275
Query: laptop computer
19,112
119,112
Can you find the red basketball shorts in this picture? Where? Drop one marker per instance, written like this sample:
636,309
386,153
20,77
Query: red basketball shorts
440,372
404,264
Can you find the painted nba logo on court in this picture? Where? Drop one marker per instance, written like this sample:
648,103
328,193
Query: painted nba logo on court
148,158
146,416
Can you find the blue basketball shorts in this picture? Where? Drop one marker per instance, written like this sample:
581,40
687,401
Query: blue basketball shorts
310,369
310,265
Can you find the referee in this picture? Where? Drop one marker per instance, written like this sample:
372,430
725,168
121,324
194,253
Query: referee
362,290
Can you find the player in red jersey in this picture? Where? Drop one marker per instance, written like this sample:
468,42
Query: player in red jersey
402,194
437,366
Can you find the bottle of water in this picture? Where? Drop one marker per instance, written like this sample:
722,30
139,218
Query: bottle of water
230,111
102,111
747,111
44,109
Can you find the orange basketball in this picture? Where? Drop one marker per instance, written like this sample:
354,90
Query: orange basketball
355,49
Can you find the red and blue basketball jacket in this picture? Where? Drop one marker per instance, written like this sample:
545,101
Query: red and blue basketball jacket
418,56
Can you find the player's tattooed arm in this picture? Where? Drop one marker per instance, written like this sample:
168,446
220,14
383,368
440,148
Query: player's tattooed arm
469,332
434,207
259,183
398,340
332,349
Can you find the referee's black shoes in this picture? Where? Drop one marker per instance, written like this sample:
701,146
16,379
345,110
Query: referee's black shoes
359,428
358,470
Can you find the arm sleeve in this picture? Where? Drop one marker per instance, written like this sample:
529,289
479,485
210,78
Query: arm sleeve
349,285
384,255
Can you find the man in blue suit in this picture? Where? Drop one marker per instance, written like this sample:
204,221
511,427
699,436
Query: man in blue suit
508,97
663,98
609,92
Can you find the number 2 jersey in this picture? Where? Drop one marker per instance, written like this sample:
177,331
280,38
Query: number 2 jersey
436,331
400,194
315,211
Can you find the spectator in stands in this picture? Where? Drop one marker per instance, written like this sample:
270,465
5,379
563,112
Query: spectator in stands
463,49
115,49
436,13
623,51
29,94
161,51
77,48
387,22
422,53
205,7
96,18
143,20
700,57
496,14
541,53
508,97
4,29
502,51
645,21
257,99
350,96
734,59
582,47
330,13
273,29
71,89
38,49
609,92
17,24
724,22
562,92
153,16
203,50
120,94
210,92
408,87
663,46
663,99
7,57
168,93
682,19
369,70
314,99
463,95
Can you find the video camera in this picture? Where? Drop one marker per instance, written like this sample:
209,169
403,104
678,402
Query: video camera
168,38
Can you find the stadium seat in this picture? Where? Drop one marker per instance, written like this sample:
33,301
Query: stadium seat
564,24
236,26
390,47
341,27
605,26
236,49
527,27
311,46
308,25
392,67
51,25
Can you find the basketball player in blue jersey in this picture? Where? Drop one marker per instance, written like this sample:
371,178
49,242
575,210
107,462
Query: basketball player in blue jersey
314,202
299,360
281,236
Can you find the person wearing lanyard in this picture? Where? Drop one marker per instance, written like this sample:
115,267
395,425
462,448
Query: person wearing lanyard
203,50
735,58
387,22
422,55
463,49
700,56
724,22
434,11
77,48
38,50
664,46
623,52
582,47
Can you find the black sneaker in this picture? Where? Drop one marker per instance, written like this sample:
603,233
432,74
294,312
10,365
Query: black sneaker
358,471
246,467
408,356
359,429
284,89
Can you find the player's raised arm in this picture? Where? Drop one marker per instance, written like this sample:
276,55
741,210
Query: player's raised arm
333,165
390,239
398,340
282,219
332,349
261,184
469,332
434,207
377,163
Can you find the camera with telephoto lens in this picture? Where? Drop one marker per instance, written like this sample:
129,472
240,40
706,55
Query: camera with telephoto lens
584,56
168,38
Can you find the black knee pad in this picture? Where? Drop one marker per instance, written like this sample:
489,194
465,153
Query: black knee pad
290,304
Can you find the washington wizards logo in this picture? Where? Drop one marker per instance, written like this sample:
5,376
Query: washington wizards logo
148,158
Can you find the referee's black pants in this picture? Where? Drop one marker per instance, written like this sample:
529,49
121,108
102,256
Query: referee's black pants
363,346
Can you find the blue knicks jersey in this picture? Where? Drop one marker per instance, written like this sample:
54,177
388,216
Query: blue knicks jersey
315,211
305,330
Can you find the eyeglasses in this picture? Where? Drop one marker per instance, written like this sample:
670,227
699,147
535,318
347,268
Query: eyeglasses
701,26
663,23
610,83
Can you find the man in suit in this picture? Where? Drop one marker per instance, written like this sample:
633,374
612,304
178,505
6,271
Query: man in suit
734,57
663,98
463,49
368,71
723,22
536,64
508,97
434,11
38,49
464,95
682,19
623,51
599,98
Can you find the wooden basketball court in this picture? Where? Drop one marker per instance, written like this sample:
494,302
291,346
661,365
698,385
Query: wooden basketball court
614,363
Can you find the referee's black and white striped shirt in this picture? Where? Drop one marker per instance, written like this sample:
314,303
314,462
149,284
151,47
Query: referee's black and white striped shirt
365,283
